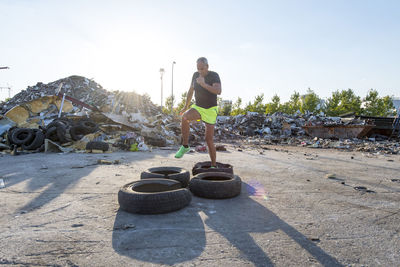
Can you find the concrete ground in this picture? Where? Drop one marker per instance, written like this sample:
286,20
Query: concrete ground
62,210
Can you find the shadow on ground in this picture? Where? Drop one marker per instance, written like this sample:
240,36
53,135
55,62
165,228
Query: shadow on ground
50,175
181,236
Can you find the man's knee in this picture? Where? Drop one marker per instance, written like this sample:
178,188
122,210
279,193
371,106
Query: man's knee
209,139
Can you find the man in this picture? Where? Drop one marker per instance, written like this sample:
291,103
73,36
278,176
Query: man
206,86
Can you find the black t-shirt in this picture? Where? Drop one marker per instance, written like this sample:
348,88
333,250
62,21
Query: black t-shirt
204,98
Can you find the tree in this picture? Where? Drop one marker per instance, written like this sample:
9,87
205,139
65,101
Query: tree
293,105
182,103
167,107
378,106
343,102
236,108
226,110
274,106
311,102
257,105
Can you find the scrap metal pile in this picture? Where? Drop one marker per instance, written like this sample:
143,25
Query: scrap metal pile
125,120
90,117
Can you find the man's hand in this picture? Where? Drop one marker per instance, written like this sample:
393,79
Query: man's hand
200,80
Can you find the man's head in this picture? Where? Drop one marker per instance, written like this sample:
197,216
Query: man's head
202,66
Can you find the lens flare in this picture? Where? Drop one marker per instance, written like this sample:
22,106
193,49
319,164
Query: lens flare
255,188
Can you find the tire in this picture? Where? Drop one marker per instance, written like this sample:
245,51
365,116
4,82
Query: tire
89,126
204,166
153,196
51,133
22,136
215,185
97,145
173,173
9,134
36,142
58,122
61,132
77,132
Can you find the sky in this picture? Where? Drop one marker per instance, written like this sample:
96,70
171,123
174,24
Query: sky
257,47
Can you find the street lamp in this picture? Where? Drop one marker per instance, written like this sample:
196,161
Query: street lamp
161,77
172,88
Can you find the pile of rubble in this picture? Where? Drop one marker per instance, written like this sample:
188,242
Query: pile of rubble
62,112
124,119
256,129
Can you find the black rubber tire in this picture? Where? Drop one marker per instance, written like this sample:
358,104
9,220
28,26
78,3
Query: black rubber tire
9,134
153,196
77,132
204,166
215,185
36,142
97,145
89,126
22,136
51,133
58,122
61,132
175,173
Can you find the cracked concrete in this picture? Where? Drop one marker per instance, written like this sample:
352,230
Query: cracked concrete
288,214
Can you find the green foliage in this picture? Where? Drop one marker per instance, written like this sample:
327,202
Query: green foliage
182,103
343,102
257,105
274,106
310,102
167,107
224,109
236,108
378,106
294,103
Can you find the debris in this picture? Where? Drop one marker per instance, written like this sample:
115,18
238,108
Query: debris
201,148
220,148
363,189
124,227
331,176
131,122
50,146
104,162
107,162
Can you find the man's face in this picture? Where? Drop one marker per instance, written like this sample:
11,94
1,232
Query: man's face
202,69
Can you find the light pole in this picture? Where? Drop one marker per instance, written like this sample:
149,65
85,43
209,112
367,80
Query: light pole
172,88
161,77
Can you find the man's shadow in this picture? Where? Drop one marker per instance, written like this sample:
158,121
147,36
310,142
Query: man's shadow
180,236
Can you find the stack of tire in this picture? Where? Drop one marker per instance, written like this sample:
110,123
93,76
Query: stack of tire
60,130
64,130
160,190
28,139
166,189
214,183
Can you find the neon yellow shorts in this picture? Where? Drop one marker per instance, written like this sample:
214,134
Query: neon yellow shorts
208,115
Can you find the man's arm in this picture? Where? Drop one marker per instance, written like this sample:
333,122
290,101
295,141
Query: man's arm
215,88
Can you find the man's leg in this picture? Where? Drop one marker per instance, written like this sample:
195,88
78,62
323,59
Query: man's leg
189,115
210,143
